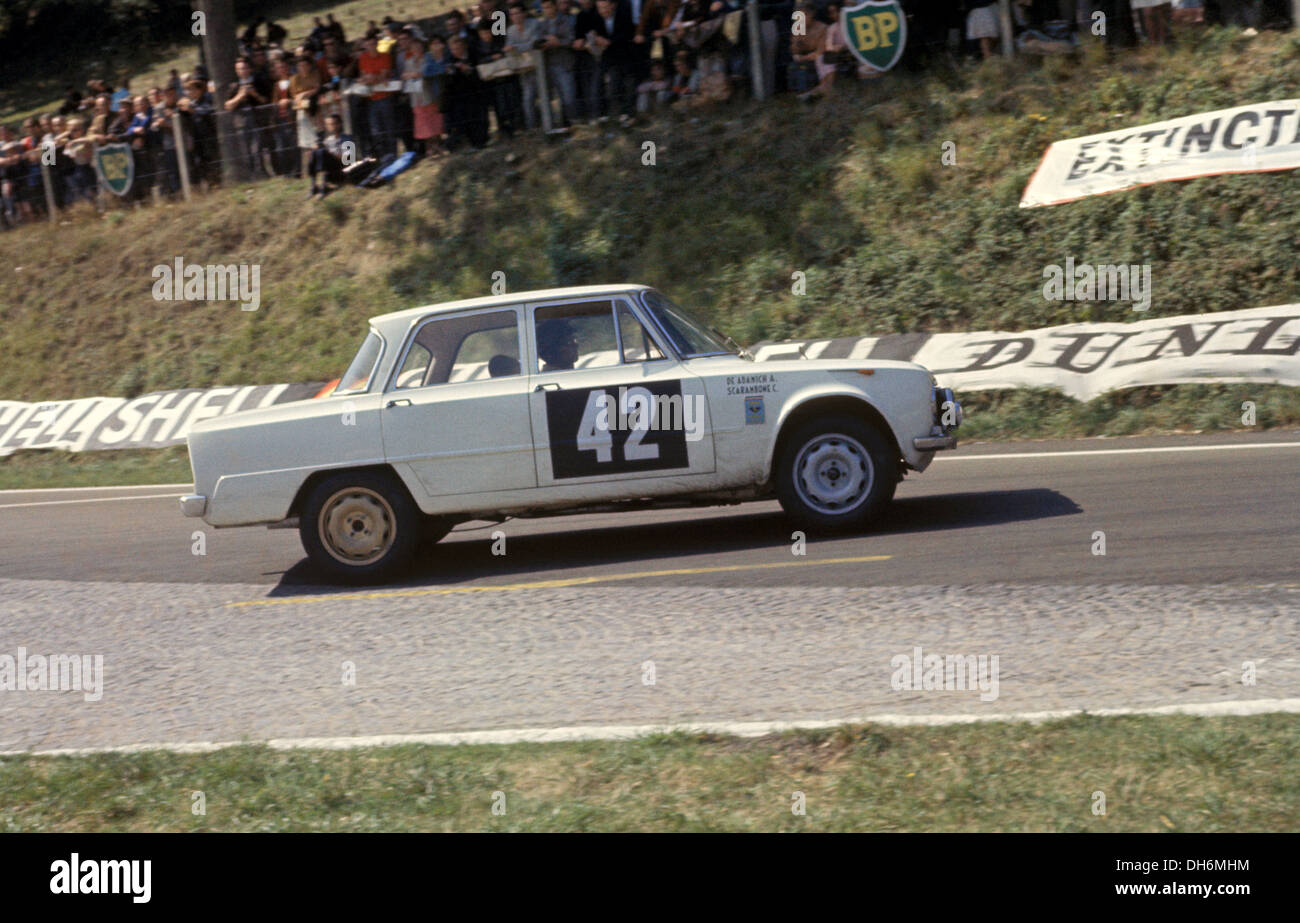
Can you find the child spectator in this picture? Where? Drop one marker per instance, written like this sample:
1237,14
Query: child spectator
655,93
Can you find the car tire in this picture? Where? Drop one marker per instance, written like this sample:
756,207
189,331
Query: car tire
361,527
836,474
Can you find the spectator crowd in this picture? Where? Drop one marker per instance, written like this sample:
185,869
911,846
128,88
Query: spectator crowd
330,109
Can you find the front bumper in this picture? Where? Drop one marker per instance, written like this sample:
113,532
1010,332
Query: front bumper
947,417
194,505
934,443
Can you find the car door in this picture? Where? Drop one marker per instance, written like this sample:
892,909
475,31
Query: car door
608,400
456,409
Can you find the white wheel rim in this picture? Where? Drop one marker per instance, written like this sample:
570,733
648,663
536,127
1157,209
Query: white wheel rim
833,474
357,526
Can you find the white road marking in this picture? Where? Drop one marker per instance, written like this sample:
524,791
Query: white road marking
14,506
1150,451
631,731
71,490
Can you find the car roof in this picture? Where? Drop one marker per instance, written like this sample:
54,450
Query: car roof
489,301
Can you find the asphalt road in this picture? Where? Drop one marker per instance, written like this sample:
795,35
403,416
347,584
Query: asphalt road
987,553
990,513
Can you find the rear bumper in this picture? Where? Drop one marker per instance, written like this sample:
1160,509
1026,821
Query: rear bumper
194,505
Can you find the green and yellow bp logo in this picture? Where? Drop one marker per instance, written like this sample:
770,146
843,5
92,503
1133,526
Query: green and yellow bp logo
116,167
875,31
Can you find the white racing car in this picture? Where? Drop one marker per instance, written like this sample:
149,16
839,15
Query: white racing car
561,401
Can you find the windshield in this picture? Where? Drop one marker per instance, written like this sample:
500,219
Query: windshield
690,334
357,377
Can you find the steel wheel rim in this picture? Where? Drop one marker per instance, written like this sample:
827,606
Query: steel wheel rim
357,526
833,474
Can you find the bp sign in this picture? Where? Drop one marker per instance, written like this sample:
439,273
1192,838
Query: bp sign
875,31
116,167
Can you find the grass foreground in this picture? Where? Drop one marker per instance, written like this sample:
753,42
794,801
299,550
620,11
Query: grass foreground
1156,774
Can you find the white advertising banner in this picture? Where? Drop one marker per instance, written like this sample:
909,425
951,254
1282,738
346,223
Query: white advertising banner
1086,360
149,421
1248,139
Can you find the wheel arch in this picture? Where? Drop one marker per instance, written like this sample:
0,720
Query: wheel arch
826,405
316,477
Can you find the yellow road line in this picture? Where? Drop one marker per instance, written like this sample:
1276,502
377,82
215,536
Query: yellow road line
553,584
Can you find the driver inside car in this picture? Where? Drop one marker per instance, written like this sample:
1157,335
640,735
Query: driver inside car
557,345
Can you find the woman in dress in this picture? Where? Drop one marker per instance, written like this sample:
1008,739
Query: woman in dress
303,87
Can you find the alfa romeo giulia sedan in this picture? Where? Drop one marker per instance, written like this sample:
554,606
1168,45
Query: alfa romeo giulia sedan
561,401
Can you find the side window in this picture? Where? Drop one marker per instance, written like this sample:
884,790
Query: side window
462,348
418,360
489,353
575,336
638,346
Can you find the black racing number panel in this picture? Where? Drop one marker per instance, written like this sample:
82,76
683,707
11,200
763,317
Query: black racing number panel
589,435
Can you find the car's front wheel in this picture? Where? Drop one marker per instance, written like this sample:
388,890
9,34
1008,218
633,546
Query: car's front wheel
836,474
360,527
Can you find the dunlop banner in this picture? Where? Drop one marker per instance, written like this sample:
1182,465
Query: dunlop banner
1085,360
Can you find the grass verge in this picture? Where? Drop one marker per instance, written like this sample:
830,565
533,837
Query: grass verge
1157,773
44,468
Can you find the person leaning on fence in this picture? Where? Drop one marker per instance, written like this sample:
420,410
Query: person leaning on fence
168,164
284,152
304,86
504,90
982,25
198,111
80,150
523,36
585,73
376,72
613,45
421,81
244,98
556,30
466,109
806,50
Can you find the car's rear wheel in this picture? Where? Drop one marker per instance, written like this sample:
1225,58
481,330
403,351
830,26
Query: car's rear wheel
836,474
361,527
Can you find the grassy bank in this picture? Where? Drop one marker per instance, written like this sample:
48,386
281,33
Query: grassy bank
1157,774
850,191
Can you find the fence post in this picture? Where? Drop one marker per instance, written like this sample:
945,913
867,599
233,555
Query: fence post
49,191
1006,28
543,90
1295,14
756,50
182,155
345,109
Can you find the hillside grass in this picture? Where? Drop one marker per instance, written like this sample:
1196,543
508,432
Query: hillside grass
850,191
1156,774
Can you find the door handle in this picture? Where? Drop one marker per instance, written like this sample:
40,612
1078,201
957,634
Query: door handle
548,386
400,402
